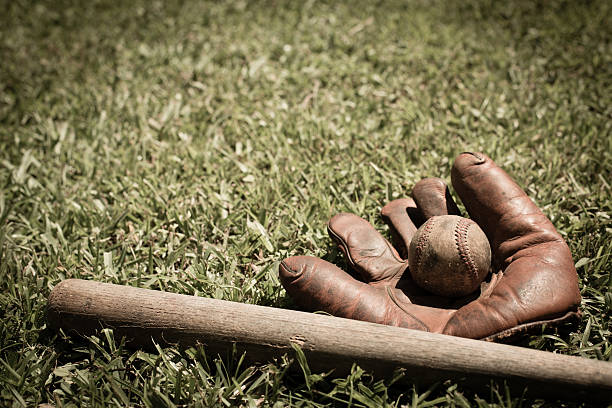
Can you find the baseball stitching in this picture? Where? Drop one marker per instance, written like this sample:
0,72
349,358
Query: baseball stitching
461,231
422,241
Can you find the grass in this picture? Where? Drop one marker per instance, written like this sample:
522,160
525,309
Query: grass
190,146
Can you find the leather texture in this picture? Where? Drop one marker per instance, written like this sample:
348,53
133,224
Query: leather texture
535,281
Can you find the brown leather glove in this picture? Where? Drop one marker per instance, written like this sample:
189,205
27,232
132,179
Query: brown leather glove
536,282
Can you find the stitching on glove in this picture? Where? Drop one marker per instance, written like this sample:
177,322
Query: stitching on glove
397,303
547,321
477,155
344,247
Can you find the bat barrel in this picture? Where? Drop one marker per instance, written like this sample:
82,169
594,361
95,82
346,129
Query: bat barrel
266,333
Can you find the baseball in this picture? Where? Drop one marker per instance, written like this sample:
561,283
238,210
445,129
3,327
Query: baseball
449,256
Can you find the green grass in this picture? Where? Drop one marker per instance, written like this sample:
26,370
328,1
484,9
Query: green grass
189,147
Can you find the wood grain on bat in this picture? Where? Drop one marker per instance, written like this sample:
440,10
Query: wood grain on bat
265,333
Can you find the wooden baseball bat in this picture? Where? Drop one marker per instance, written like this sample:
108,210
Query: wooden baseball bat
265,333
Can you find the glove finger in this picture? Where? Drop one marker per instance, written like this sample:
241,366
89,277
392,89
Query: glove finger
501,208
539,280
315,284
371,255
403,218
433,198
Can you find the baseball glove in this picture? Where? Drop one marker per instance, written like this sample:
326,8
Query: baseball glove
534,281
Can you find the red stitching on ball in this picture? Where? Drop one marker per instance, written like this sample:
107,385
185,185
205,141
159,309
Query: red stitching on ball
463,248
421,243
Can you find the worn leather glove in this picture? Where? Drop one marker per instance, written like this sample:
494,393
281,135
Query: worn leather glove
535,281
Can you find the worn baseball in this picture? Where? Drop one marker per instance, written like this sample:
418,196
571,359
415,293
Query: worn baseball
449,256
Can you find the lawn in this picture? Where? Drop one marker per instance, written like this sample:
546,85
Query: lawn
190,146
